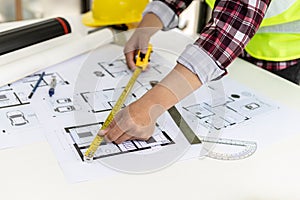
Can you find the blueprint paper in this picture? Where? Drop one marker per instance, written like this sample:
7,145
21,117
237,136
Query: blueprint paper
243,118
77,112
229,111
89,85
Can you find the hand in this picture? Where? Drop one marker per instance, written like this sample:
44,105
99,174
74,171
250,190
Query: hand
149,25
133,122
138,41
137,121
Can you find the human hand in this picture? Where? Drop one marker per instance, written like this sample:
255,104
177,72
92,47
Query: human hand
137,121
139,40
133,122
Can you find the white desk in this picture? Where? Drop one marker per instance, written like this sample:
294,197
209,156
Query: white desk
271,174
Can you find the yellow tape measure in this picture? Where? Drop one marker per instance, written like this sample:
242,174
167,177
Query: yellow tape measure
141,63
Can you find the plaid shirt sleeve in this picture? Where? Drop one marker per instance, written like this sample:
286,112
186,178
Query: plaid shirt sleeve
233,24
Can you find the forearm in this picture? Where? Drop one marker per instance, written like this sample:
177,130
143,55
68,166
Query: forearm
150,20
178,84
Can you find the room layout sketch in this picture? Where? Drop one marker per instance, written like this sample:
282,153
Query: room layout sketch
230,113
5,88
118,68
115,69
9,98
32,79
59,79
64,105
16,94
82,137
17,119
102,100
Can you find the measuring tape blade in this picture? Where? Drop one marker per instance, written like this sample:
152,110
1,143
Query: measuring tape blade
141,63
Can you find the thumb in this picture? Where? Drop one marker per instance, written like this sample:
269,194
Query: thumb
103,132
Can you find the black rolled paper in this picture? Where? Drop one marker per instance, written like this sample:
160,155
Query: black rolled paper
24,36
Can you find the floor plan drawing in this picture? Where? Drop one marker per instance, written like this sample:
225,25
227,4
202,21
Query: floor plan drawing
16,94
116,68
233,111
5,88
20,125
101,101
70,119
19,116
17,119
62,105
32,79
104,100
9,98
83,135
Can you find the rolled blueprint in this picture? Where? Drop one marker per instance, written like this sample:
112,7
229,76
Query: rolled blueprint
77,31
72,47
24,36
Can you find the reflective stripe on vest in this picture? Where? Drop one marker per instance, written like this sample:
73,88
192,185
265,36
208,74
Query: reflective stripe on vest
278,38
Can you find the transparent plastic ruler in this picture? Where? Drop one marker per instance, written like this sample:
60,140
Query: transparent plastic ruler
221,149
229,149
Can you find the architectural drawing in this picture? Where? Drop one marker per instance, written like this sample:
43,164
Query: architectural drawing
233,111
14,120
116,68
16,94
101,101
17,118
63,105
82,137
72,113
9,98
32,79
104,100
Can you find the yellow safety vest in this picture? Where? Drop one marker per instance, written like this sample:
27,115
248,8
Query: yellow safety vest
278,37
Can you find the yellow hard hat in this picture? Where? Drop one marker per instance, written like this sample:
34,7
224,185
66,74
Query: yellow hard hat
110,12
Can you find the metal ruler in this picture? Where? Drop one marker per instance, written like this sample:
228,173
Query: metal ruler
141,63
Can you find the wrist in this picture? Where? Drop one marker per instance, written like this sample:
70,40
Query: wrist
148,105
178,84
150,20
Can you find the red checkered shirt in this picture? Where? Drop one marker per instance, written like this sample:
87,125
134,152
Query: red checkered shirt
233,24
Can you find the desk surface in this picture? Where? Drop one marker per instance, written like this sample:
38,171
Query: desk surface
270,174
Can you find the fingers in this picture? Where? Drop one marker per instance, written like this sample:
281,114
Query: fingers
103,132
141,138
128,126
113,132
138,41
130,60
123,138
